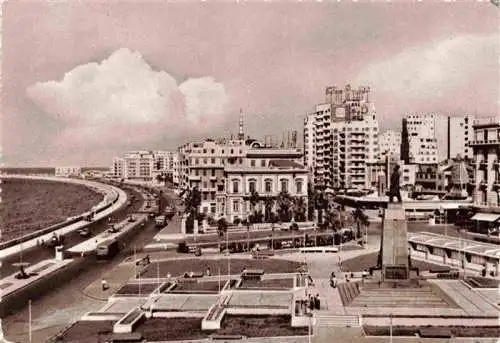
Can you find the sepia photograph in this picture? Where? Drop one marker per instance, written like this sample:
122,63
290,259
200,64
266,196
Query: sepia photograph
260,171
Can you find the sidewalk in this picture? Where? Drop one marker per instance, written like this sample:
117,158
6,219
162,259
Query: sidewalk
115,278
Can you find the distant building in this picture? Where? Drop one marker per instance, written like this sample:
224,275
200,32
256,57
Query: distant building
144,165
68,171
460,133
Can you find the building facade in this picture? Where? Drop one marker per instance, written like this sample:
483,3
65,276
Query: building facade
144,165
68,171
486,154
389,143
341,138
460,133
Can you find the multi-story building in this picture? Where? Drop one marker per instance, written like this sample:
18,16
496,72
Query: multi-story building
228,171
68,171
144,165
486,151
341,138
434,138
389,143
460,133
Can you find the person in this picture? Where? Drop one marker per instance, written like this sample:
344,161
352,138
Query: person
207,273
394,187
317,302
311,302
104,285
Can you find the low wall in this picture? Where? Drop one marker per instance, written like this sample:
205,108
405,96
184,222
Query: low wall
257,311
20,298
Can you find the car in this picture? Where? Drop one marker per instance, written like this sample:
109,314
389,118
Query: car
85,232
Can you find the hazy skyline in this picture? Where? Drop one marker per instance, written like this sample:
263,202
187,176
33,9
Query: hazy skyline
85,81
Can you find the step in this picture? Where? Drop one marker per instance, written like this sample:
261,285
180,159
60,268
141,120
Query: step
337,320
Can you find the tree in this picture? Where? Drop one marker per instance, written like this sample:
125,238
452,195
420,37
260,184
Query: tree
320,204
268,205
254,199
221,226
361,220
299,209
284,203
311,203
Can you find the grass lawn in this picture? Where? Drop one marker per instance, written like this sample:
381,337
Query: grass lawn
175,329
30,205
88,332
457,331
201,287
259,326
267,283
179,267
358,264
136,288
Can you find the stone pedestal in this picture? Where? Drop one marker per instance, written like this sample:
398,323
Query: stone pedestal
394,244
195,227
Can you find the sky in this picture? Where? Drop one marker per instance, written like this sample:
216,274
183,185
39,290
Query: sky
84,81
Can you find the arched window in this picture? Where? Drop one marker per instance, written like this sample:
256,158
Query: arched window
236,186
252,185
298,186
284,185
268,186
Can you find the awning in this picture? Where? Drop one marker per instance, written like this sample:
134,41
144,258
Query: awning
486,217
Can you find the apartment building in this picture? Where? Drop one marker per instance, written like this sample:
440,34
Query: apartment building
68,171
341,138
143,165
389,143
485,145
434,138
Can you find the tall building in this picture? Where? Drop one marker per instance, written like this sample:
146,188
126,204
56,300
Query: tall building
389,142
341,138
460,132
485,145
434,138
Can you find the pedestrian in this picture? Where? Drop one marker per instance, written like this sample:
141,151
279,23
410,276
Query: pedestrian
207,273
104,284
311,302
317,302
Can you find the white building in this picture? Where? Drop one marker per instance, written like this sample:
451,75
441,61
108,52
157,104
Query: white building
143,165
486,152
460,133
68,171
434,138
389,142
341,138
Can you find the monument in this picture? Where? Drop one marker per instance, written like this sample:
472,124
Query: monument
393,260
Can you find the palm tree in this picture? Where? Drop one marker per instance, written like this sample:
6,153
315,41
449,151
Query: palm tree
361,220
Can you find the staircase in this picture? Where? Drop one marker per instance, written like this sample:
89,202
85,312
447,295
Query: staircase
336,320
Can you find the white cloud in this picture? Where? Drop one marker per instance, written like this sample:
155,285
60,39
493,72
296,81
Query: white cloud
433,70
124,98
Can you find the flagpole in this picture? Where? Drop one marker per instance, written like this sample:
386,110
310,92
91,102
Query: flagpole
390,327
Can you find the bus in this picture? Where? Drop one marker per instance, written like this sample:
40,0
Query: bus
107,249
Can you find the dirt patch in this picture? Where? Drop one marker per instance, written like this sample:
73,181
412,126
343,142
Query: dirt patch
457,331
267,283
179,267
30,205
360,263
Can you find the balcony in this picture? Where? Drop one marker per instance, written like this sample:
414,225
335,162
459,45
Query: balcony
482,142
194,178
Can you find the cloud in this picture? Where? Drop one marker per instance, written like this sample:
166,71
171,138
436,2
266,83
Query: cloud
122,99
434,69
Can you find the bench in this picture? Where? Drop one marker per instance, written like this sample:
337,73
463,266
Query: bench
252,274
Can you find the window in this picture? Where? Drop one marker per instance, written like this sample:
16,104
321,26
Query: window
212,151
252,163
284,185
204,151
212,209
204,172
213,172
236,206
213,161
204,161
205,196
298,186
236,186
252,186
268,186
196,161
196,172
262,163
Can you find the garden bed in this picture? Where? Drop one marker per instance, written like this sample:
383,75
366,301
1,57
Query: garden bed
211,287
259,326
175,329
267,283
87,332
138,289
179,267
481,282
456,331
